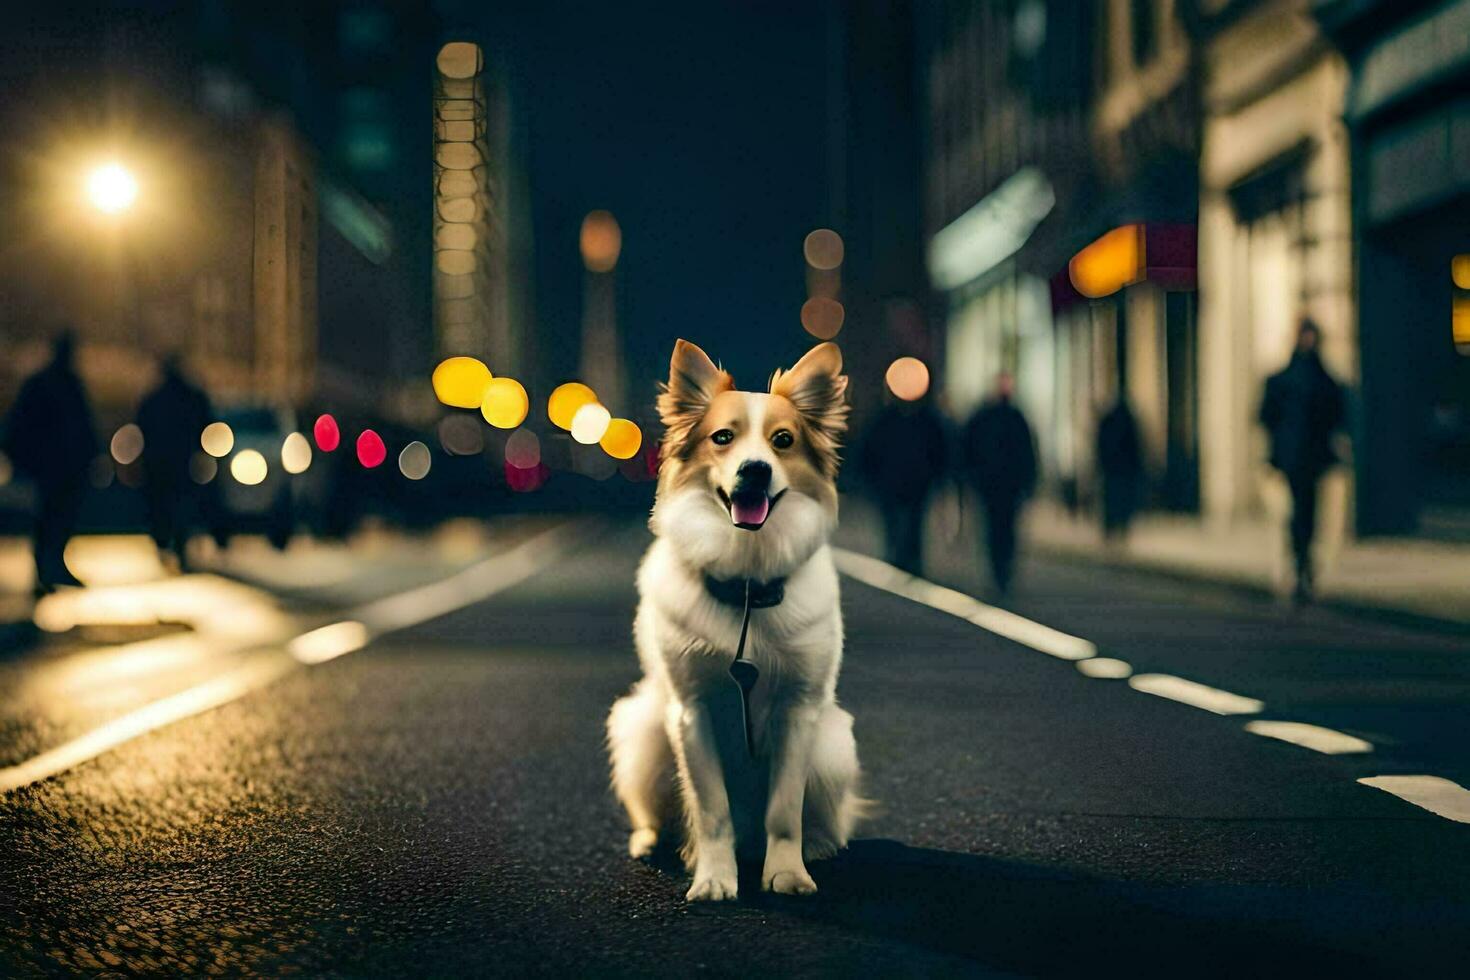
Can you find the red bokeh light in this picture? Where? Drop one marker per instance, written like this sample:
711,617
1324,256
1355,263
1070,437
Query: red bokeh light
524,481
328,436
370,449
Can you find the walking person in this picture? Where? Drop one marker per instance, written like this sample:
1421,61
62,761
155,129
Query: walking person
1000,461
50,437
172,416
1302,409
903,456
1120,461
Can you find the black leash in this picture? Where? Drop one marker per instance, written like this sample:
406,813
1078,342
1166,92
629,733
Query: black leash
746,673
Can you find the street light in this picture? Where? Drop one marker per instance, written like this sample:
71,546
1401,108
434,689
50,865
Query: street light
112,188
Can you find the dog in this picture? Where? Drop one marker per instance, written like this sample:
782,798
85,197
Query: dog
746,498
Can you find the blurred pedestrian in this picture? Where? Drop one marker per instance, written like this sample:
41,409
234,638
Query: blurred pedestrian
1120,461
172,416
51,439
1302,409
903,456
1000,461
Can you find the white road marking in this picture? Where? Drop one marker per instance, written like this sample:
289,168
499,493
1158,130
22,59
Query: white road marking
1326,740
1001,622
1106,668
1195,695
1439,796
474,584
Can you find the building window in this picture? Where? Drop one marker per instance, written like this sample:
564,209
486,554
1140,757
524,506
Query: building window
1145,31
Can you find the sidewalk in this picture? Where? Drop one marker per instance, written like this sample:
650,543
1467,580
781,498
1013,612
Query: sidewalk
1396,575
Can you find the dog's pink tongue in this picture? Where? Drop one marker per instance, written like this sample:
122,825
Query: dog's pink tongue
750,511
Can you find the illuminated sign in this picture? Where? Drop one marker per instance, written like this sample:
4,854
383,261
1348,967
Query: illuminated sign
1107,265
991,231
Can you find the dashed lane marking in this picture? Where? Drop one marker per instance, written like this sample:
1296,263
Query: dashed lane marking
1328,741
1436,794
267,665
1195,694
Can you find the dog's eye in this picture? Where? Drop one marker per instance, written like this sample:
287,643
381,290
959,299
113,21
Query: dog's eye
723,437
782,439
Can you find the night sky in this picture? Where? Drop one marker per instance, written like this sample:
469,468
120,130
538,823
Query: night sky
702,129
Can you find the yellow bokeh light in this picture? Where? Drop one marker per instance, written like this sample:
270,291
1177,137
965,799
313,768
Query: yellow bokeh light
566,400
505,403
823,249
461,382
217,439
249,467
459,59
1460,271
590,424
127,444
622,439
112,188
907,378
295,453
1460,323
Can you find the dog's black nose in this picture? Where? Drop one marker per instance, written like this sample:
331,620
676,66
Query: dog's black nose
753,477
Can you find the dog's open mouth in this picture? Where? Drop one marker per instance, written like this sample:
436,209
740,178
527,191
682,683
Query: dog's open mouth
749,510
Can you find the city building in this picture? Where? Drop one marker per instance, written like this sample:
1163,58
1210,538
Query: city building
1274,233
1408,122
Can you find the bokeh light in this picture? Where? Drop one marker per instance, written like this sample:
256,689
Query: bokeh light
461,382
370,449
505,403
454,263
202,468
112,188
601,241
524,481
328,436
249,467
823,249
564,402
217,439
7,471
415,460
1460,271
461,435
127,444
295,453
459,59
622,439
590,424
822,317
907,378
523,449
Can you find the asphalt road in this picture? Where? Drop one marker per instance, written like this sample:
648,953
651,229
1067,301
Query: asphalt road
436,804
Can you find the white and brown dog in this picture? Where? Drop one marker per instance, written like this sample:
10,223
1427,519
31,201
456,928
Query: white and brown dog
746,499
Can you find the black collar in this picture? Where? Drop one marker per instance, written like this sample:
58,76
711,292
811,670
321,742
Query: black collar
731,591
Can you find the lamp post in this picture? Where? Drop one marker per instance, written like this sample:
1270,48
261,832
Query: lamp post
602,357
112,189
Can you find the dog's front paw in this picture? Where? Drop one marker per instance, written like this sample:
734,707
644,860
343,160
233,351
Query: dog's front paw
712,888
641,843
789,881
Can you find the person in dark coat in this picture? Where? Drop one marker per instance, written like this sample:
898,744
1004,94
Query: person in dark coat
1302,409
903,457
1120,461
1000,461
172,416
51,439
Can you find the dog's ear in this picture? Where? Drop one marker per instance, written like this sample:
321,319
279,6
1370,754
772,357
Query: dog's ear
693,381
818,389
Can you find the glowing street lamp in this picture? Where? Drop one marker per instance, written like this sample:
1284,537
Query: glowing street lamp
112,188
